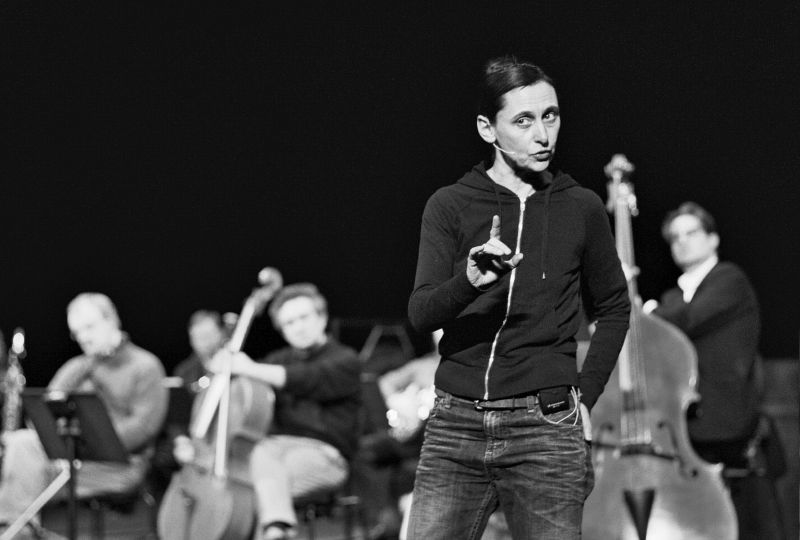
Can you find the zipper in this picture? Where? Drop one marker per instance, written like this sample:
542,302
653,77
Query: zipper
511,281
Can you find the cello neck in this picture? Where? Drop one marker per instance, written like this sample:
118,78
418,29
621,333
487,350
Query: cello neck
623,231
216,401
634,429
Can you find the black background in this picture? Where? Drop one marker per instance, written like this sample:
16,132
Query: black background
164,152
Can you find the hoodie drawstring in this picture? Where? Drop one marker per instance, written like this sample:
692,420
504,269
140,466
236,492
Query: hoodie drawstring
499,204
545,225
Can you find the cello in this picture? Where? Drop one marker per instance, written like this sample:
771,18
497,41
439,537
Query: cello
211,498
649,482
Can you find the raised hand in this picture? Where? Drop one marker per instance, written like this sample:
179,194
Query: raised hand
239,362
487,262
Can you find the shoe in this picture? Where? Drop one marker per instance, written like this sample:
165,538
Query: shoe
31,531
277,531
382,532
387,526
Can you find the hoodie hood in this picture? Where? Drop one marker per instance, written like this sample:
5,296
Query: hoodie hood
478,178
557,181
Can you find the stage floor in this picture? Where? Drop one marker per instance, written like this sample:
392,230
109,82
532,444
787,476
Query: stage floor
136,525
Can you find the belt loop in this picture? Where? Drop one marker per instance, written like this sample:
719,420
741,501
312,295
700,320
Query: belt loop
531,399
446,399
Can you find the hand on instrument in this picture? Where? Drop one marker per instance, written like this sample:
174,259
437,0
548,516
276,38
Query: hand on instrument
487,262
650,305
239,362
183,449
630,271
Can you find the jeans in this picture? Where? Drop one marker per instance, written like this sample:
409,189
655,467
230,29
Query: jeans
537,469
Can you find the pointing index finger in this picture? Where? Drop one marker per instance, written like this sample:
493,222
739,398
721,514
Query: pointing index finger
495,231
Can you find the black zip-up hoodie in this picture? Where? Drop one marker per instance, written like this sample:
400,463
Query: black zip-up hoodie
518,335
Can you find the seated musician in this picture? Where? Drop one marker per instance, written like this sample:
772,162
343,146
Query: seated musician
318,396
387,458
408,392
207,335
127,379
716,306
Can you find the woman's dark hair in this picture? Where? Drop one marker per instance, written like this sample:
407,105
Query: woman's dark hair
502,75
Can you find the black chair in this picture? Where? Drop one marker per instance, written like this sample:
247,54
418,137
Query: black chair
762,464
341,502
135,512
332,503
125,504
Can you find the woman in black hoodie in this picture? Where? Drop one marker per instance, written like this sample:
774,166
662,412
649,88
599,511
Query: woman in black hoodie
507,257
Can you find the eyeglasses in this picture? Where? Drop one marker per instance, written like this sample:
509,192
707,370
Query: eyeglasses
691,233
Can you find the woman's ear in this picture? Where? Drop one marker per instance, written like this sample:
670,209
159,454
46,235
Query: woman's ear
485,129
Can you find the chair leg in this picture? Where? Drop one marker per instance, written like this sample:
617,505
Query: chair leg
152,513
351,505
98,519
311,521
352,516
778,510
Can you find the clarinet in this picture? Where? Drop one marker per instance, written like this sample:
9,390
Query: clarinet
13,384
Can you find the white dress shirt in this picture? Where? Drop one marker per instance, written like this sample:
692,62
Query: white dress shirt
689,281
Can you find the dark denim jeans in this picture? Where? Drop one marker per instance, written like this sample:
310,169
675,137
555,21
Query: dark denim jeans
536,468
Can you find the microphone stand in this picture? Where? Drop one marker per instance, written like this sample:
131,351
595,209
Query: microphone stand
69,429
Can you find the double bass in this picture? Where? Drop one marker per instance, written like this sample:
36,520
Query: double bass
649,482
212,498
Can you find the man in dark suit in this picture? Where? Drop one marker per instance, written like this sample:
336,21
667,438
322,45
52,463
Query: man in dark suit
716,306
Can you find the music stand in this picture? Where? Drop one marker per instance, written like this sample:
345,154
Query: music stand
72,427
181,401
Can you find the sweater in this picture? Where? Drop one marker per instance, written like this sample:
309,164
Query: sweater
517,336
129,383
322,395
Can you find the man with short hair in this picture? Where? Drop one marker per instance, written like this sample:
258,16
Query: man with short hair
317,383
128,380
716,306
206,336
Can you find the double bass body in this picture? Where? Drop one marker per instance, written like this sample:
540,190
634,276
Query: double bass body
657,486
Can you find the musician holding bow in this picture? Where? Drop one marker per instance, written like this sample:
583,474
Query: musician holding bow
716,306
314,431
127,379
